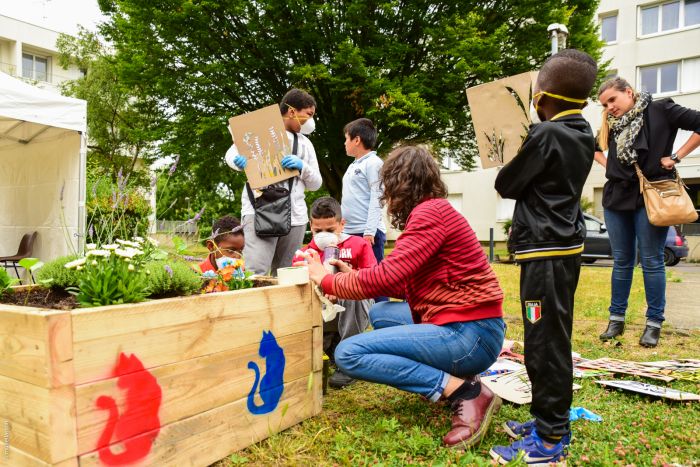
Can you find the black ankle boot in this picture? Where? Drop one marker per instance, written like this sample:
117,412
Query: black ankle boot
650,337
615,328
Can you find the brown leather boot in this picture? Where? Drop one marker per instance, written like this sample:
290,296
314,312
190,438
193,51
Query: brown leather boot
471,419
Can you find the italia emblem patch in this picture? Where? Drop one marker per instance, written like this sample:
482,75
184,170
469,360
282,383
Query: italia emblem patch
533,310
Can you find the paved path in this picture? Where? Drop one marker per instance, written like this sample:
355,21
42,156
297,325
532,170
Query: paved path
683,298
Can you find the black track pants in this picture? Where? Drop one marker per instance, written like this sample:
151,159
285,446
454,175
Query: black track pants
547,290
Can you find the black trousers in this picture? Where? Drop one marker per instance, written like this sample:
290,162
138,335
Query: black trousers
547,289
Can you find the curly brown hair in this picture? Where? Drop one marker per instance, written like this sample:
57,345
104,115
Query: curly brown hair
410,175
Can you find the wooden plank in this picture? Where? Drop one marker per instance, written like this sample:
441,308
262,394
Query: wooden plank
168,331
317,348
18,458
210,436
35,345
193,386
317,317
40,421
136,317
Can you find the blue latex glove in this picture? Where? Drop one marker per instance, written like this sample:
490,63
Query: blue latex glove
576,413
292,162
240,162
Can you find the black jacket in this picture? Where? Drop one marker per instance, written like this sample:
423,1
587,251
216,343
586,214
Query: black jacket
546,178
662,120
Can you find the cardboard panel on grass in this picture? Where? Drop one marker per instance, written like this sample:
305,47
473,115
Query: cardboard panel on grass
42,158
182,381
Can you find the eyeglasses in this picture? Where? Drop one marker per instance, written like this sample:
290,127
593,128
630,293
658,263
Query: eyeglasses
230,252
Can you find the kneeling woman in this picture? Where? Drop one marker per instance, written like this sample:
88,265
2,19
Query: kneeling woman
450,328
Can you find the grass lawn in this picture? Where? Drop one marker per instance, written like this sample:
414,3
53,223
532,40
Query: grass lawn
373,424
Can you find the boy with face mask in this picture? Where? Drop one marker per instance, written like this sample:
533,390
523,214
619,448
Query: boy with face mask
225,245
327,226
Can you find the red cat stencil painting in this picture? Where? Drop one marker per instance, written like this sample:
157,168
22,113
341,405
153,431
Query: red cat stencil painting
139,416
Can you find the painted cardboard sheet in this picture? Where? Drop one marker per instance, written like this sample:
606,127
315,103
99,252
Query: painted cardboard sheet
650,390
500,112
261,138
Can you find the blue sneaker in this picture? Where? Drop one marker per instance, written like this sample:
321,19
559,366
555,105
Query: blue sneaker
517,430
532,451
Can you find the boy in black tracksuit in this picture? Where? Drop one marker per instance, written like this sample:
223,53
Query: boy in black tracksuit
546,178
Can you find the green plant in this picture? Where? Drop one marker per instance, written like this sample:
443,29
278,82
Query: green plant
109,276
587,205
28,264
6,282
172,278
507,224
54,274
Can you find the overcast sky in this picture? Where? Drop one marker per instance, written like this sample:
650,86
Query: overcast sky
59,15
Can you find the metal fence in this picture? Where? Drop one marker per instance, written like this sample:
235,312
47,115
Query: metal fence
177,227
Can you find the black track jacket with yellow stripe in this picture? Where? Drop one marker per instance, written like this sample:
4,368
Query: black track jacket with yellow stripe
546,178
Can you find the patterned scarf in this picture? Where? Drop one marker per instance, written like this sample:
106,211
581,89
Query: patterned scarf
626,128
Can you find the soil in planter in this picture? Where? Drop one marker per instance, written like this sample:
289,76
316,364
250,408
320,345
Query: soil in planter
41,298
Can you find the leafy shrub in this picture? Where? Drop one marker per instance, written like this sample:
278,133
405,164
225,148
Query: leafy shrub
109,276
5,282
54,274
172,278
116,211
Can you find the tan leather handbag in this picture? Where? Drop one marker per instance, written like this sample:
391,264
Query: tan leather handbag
667,202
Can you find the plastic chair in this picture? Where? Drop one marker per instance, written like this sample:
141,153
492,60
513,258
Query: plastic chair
26,246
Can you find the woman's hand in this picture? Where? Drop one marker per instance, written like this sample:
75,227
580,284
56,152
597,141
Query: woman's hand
341,265
667,163
316,270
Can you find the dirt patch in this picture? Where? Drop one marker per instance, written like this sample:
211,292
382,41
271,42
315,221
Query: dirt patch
41,298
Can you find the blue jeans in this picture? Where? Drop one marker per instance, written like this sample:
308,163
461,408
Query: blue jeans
627,230
418,357
378,250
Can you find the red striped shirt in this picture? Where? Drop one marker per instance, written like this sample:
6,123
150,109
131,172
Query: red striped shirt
437,265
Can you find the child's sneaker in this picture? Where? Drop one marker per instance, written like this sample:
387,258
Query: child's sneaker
532,451
517,430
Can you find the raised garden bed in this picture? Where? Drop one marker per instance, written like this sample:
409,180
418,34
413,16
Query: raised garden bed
163,382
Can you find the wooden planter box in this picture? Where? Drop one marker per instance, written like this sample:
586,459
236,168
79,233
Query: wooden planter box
189,402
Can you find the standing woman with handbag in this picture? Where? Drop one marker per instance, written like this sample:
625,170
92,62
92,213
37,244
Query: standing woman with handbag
637,131
270,242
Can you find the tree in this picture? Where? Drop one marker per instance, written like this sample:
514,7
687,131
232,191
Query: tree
404,64
122,121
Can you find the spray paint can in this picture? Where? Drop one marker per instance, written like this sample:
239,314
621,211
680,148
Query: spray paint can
329,253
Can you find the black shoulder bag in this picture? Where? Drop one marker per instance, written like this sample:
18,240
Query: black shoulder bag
273,209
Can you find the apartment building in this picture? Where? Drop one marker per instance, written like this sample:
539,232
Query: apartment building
656,47
29,52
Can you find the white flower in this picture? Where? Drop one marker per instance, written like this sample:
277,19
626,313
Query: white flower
128,252
78,268
139,239
75,263
103,253
94,262
90,246
111,246
128,243
131,267
153,241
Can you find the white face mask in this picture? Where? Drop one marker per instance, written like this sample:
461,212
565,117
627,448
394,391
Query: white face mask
308,127
325,239
534,118
223,262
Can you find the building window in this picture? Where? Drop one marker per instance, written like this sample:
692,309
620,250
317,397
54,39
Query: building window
669,16
34,67
690,75
608,28
660,78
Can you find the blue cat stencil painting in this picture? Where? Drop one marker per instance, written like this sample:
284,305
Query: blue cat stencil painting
271,384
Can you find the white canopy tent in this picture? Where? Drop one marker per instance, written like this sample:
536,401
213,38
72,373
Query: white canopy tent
42,169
